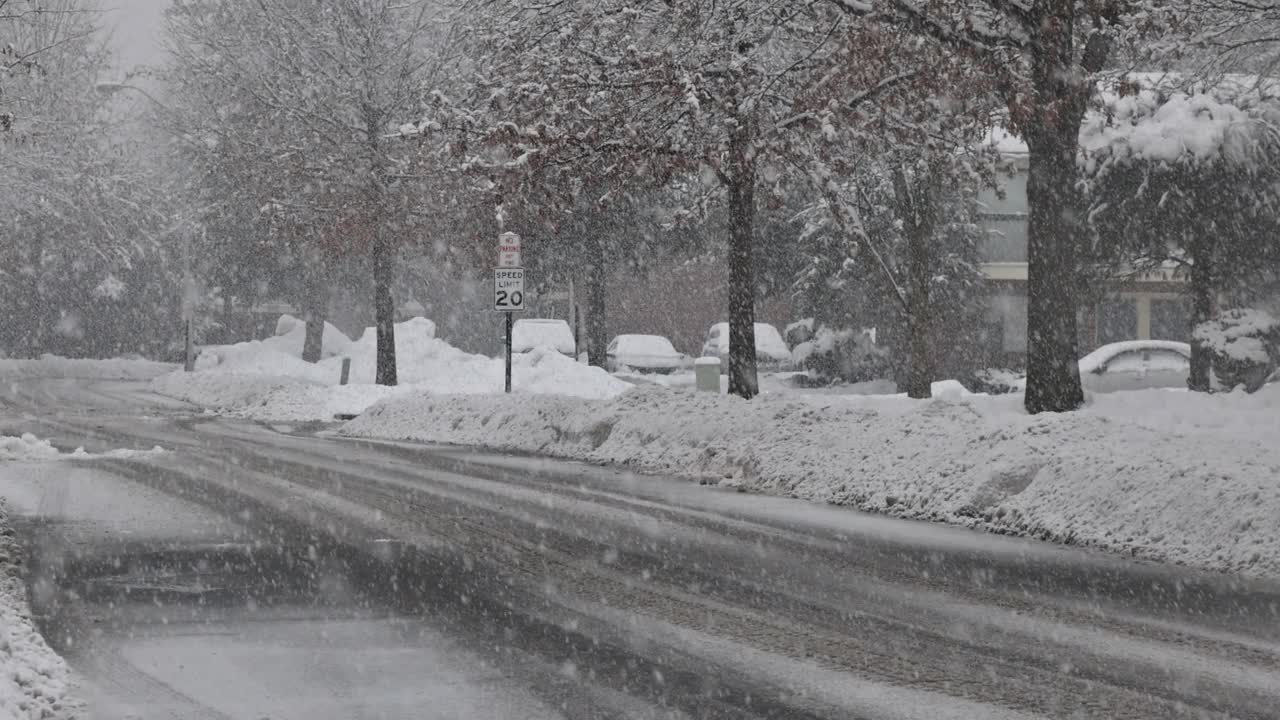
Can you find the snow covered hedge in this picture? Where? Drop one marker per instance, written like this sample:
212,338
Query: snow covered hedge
1168,475
1246,347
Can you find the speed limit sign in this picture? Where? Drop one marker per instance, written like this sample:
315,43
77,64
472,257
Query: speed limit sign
508,289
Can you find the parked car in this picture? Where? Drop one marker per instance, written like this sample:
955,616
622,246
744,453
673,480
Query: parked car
1135,365
530,333
772,352
644,353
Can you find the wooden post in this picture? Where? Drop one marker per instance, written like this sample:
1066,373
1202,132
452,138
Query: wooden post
346,371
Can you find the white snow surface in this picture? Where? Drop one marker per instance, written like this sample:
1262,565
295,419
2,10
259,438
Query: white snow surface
1166,475
52,366
533,333
1150,126
769,342
29,448
1238,334
1102,355
34,680
267,380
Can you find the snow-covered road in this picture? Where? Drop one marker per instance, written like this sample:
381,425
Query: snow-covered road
524,587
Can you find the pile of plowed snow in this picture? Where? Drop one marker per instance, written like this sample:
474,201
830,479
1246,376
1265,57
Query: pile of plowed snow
268,380
1171,475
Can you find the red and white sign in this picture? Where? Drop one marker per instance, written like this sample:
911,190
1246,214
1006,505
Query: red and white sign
509,250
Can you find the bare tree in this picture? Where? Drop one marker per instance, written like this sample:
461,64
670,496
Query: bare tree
329,86
759,96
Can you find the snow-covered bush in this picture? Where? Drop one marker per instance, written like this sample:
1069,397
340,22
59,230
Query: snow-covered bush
1245,346
997,381
843,355
798,332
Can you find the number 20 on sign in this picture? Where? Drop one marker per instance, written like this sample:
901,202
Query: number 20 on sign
508,289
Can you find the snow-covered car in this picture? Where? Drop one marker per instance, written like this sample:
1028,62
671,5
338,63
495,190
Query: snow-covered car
530,333
1136,365
772,352
644,353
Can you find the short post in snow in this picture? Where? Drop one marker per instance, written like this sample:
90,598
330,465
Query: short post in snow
189,364
706,374
508,288
346,371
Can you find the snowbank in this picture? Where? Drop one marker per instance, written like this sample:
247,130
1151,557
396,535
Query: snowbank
34,681
52,366
29,448
267,380
1168,475
26,447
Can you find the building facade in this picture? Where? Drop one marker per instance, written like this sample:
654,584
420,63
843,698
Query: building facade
1143,306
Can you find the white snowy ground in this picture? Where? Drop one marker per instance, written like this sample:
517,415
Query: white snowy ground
1167,475
267,380
52,366
34,681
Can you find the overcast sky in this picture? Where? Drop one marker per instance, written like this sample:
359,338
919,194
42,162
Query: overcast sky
135,25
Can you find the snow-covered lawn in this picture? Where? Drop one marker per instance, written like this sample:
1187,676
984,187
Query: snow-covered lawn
1166,475
34,681
267,380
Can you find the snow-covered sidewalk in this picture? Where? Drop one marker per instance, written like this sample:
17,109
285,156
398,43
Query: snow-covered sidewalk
1166,475
34,681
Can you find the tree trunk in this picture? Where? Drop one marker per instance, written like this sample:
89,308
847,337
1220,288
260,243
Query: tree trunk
313,343
917,207
1201,312
315,303
229,334
743,380
1052,129
384,308
597,293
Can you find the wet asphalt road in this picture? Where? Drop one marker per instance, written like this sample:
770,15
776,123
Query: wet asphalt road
584,592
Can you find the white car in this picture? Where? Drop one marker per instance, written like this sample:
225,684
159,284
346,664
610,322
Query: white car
530,333
771,351
644,353
1136,365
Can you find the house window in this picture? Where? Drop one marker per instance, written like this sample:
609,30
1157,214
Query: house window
1010,312
1170,320
1117,321
1005,239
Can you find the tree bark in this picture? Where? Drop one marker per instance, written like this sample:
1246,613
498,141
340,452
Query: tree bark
1201,312
314,315
1052,129
1053,371
384,308
229,334
917,207
597,295
315,301
743,380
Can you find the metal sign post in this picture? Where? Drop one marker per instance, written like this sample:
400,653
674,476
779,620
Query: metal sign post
508,288
510,325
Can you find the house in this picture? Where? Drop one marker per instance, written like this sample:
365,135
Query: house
1141,306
